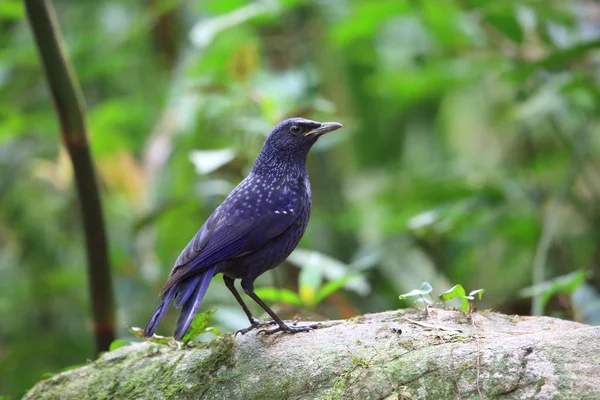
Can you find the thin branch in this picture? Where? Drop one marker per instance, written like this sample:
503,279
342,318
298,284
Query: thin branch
430,326
69,105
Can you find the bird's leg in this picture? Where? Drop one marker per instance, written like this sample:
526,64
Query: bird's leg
248,287
254,323
229,282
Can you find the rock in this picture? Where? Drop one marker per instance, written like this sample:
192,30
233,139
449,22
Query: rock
405,354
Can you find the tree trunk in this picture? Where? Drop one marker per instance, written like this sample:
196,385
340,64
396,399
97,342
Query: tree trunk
405,354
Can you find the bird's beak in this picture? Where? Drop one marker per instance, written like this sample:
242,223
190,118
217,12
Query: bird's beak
324,128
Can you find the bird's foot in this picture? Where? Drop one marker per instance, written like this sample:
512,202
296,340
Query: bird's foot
256,324
290,329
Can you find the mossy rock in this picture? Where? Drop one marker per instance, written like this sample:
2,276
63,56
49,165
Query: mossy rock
405,354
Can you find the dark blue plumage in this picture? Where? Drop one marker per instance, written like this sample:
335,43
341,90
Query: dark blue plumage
255,228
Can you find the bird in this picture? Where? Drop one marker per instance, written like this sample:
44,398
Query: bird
252,231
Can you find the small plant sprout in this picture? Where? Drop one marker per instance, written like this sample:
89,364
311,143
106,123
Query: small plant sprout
423,291
458,292
200,325
139,332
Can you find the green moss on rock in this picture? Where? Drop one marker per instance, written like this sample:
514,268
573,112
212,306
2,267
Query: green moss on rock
502,357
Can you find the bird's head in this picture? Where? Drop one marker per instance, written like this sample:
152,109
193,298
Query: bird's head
289,142
291,139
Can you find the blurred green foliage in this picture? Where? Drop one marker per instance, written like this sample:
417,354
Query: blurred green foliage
470,133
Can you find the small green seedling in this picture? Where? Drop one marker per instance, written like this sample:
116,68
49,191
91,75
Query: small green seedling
139,332
199,325
424,290
457,291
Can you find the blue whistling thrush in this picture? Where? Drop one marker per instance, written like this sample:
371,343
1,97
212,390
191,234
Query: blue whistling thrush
255,229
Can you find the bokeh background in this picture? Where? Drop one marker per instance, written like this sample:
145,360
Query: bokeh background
469,154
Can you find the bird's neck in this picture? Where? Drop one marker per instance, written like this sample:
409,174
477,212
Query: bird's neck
279,164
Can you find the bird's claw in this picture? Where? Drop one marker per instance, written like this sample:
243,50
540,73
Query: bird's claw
256,324
290,329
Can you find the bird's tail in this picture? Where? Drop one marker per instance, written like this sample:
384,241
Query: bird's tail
189,294
191,299
160,310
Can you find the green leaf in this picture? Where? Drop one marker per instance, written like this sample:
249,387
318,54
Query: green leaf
278,295
207,161
478,292
204,32
508,25
412,293
116,344
11,9
455,291
199,325
310,280
561,284
426,287
220,6
331,287
464,303
331,269
424,290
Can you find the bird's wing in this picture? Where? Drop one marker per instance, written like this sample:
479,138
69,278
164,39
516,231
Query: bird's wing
227,235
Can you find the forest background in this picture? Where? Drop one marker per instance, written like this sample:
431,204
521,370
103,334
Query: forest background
469,154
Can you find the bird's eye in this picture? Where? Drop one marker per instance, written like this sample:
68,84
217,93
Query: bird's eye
295,129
